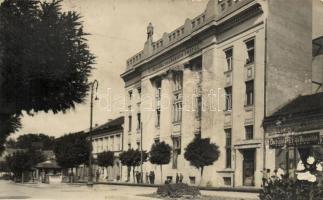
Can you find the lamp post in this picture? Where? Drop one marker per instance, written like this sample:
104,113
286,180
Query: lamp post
95,84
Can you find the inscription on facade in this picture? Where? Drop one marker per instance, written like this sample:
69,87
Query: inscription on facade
179,55
296,140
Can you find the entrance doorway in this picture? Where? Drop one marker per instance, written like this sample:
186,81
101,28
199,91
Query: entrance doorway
249,167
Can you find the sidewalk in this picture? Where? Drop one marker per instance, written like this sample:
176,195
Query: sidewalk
219,189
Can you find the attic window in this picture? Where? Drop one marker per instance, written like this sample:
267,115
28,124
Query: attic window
223,7
193,24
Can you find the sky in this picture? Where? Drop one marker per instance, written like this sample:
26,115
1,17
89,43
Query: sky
118,31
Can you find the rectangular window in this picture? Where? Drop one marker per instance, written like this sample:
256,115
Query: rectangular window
138,121
158,88
228,152
249,92
249,132
113,148
158,117
118,142
228,98
251,51
177,105
130,94
229,59
129,122
178,81
177,112
139,91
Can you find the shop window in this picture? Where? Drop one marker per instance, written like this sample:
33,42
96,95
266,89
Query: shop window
250,51
249,132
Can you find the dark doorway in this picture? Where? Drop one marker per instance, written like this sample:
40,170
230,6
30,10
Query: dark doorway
249,167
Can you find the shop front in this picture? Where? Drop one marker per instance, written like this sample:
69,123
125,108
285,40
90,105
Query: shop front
295,132
291,148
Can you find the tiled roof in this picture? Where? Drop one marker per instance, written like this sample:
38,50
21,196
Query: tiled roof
111,125
302,105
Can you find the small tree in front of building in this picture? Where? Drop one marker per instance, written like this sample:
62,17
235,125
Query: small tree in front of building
201,153
126,159
160,154
132,158
106,159
137,160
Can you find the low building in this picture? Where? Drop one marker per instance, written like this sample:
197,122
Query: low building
295,132
108,137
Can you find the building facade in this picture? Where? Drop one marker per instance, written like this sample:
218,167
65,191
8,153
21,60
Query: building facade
295,132
108,137
218,76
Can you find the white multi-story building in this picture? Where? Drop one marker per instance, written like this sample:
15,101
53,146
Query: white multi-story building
218,75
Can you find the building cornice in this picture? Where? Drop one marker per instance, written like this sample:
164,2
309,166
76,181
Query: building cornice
208,30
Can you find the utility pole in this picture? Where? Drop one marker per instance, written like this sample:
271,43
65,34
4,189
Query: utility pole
96,84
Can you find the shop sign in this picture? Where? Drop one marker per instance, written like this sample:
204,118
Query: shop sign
295,140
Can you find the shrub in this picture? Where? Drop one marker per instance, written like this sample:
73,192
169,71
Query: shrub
178,190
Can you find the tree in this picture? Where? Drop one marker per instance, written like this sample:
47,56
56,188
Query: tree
45,61
126,159
72,150
22,161
132,158
160,154
8,124
106,159
201,152
36,141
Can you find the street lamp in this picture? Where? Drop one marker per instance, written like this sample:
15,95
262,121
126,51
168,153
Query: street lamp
94,84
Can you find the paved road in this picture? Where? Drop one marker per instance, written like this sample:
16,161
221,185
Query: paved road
9,190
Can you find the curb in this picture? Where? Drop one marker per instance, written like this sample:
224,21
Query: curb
223,189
